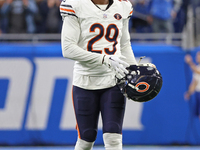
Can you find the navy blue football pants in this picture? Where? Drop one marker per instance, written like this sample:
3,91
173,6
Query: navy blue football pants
88,104
197,95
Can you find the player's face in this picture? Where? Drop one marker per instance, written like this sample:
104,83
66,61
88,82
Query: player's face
198,57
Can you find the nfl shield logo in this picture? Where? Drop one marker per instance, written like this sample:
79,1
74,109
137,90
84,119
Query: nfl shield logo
104,15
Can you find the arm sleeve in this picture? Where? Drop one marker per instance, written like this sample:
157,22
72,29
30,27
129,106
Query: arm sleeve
126,49
69,39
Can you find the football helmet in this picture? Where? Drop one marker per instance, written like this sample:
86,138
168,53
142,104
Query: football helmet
142,83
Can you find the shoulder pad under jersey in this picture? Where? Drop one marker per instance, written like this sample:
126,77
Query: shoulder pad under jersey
127,7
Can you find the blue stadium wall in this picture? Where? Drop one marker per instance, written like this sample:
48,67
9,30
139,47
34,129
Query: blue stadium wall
36,106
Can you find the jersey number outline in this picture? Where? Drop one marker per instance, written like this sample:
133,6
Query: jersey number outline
107,37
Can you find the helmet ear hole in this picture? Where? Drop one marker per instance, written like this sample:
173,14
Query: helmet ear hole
141,84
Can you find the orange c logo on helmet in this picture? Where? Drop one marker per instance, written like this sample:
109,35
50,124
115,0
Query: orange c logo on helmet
143,83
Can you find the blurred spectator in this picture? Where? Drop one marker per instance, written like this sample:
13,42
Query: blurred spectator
48,19
194,86
181,19
196,12
140,18
163,12
18,16
1,3
54,20
195,4
41,16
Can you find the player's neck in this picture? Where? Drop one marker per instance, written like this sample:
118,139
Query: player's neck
101,2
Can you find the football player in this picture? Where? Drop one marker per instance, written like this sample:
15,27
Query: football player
194,86
95,34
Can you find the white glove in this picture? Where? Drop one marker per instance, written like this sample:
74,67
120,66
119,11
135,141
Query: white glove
116,64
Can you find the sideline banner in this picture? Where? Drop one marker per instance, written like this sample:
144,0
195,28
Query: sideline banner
36,106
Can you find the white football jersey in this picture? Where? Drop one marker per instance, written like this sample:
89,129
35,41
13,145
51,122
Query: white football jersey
100,33
196,76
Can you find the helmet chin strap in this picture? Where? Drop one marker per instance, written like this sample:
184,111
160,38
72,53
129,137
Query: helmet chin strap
141,59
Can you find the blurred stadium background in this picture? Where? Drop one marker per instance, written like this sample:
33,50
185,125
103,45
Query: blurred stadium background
35,90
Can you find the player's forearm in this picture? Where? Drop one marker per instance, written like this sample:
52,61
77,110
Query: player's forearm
126,48
74,52
194,68
191,90
192,87
128,53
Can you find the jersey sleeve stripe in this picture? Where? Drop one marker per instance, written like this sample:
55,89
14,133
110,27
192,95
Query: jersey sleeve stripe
69,14
67,10
66,5
130,14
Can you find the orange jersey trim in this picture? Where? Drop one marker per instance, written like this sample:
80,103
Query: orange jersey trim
69,10
131,12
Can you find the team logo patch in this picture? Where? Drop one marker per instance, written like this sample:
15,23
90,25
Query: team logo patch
118,16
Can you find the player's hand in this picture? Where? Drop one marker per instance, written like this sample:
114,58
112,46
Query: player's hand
187,96
188,59
116,64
